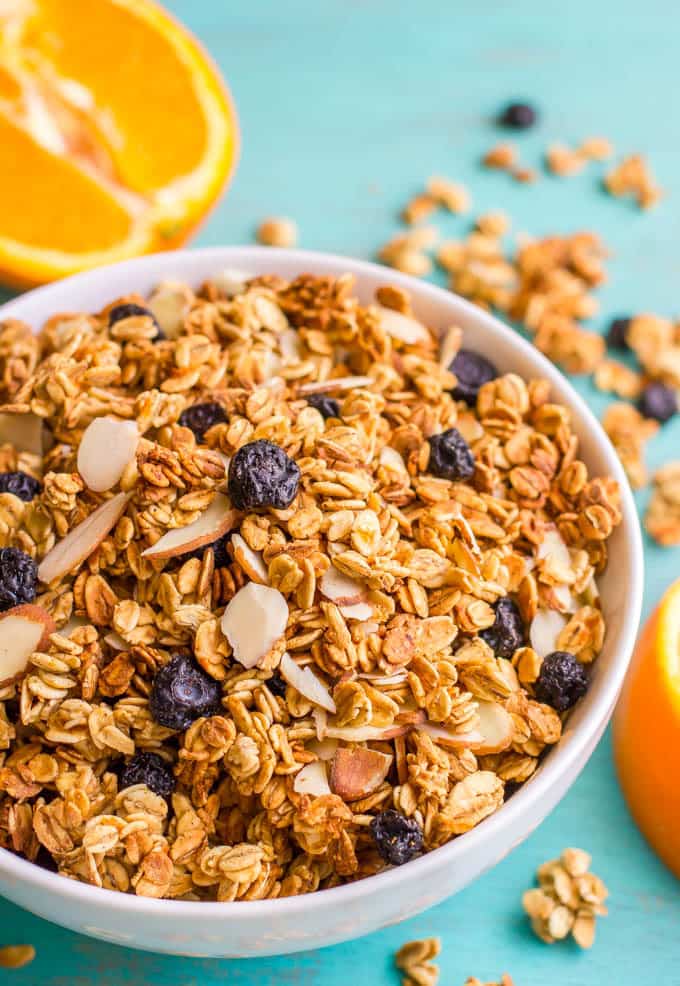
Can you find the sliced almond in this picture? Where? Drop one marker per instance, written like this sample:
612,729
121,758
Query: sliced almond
289,345
403,327
553,544
215,521
116,642
312,779
448,737
324,749
357,611
341,589
23,431
23,630
254,620
495,725
378,678
79,543
106,448
169,305
306,682
391,459
545,628
358,772
72,624
249,560
337,383
231,282
365,734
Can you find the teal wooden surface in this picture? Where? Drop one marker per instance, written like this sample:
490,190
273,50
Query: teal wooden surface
345,108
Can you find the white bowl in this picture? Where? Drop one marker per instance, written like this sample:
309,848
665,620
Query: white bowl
257,928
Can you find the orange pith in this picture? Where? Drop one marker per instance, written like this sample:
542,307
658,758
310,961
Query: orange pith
117,134
647,731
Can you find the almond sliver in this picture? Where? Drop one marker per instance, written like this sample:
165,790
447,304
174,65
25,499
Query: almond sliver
106,448
80,542
23,630
215,521
254,620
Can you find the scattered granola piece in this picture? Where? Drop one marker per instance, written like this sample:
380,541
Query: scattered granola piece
662,520
564,161
632,176
501,156
452,195
418,208
415,960
407,251
493,223
278,232
596,148
629,432
526,176
567,900
505,980
16,956
617,378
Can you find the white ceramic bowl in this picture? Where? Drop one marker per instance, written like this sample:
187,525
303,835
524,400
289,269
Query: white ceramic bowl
257,928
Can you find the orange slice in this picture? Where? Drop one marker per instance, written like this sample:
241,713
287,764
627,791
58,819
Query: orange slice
116,130
647,731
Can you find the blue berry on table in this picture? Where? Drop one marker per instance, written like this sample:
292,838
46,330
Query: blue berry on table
20,484
200,417
562,681
327,407
616,333
18,578
150,769
182,692
450,456
129,310
658,401
472,370
506,633
398,839
519,116
262,475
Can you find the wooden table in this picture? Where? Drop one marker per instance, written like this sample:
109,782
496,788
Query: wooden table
346,107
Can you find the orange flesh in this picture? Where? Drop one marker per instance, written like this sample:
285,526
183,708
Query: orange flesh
647,731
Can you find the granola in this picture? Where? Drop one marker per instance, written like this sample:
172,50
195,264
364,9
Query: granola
567,901
300,678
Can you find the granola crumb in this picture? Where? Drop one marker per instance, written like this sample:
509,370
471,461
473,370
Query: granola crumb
505,980
525,176
629,433
418,208
502,156
415,960
567,901
564,161
596,148
662,519
16,956
449,194
633,176
277,231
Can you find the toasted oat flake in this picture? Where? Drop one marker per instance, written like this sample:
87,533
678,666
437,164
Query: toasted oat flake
567,901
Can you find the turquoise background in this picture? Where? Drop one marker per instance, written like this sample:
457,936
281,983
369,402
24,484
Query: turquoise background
346,106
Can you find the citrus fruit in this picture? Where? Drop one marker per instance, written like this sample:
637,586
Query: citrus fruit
647,731
117,134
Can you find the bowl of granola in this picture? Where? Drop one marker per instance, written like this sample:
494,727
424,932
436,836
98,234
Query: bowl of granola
317,587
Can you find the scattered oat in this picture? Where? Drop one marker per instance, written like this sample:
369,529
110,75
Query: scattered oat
633,176
505,980
662,519
567,901
493,223
596,148
564,161
629,432
526,176
450,194
617,378
16,956
501,156
418,208
278,232
415,960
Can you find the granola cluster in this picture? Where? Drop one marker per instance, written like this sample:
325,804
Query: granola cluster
567,901
222,702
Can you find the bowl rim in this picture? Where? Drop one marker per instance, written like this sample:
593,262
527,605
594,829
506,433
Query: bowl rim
563,760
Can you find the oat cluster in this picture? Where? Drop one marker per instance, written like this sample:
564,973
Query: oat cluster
16,956
313,691
567,901
416,960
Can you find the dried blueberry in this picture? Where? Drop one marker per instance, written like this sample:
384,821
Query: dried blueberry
616,333
277,685
398,838
20,484
200,417
472,370
450,456
506,633
327,407
519,116
658,401
262,475
150,769
182,692
18,578
119,312
562,681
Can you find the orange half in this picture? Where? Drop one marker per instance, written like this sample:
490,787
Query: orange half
117,135
647,731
